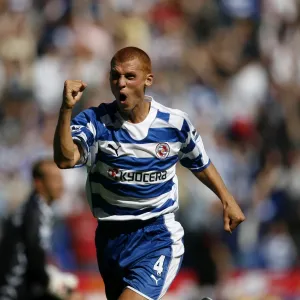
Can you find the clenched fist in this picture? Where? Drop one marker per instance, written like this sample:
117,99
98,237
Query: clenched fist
233,216
73,90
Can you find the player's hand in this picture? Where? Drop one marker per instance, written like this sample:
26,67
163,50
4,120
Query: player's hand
233,215
73,90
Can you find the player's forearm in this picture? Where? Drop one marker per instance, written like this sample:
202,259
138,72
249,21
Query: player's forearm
212,179
64,147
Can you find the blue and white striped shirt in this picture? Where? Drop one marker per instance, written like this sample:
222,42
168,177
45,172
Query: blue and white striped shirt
131,167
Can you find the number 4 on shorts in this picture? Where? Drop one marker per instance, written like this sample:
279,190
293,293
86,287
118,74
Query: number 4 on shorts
159,265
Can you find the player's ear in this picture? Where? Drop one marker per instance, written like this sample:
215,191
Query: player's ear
149,80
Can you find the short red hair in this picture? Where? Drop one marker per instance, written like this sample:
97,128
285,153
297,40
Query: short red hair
130,53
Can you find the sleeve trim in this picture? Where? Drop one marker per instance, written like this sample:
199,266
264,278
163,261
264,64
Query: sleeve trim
201,168
83,159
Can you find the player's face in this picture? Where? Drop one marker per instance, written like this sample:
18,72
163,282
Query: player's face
52,181
128,81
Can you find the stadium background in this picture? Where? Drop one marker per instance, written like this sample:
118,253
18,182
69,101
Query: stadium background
233,65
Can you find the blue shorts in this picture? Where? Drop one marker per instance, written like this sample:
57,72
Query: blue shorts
143,256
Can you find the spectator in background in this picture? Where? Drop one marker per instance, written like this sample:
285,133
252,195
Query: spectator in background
24,247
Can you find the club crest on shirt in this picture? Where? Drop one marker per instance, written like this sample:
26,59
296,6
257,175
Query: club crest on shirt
162,150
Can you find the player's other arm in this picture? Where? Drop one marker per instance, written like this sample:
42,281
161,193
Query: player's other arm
193,156
66,152
233,215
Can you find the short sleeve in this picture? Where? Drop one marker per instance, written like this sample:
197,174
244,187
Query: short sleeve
192,154
84,132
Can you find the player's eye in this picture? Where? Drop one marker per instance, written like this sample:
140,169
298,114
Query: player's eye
114,76
130,76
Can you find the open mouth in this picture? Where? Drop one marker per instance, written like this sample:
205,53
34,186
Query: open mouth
122,98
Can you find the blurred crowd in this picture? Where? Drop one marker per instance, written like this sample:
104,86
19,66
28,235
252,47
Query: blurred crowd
232,65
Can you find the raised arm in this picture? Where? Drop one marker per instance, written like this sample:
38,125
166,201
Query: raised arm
67,153
233,215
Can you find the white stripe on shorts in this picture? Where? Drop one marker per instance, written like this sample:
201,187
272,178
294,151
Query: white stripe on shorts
176,231
138,292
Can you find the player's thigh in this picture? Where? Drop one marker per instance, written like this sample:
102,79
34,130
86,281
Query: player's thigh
129,294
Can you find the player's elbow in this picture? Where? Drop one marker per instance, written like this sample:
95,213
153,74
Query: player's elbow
63,166
63,163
